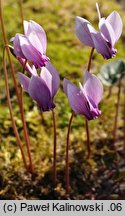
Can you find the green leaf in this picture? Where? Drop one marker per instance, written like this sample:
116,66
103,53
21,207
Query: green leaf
111,73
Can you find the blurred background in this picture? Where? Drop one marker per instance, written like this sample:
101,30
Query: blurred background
70,58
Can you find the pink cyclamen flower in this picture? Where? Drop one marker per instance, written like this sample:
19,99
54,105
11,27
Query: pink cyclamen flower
85,100
31,45
43,88
104,40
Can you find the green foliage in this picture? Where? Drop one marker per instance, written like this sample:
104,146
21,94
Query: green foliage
111,73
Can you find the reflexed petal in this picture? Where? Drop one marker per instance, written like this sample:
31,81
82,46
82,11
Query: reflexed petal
115,21
31,53
40,33
40,93
77,100
92,109
55,80
83,31
47,77
93,87
102,46
17,47
107,30
25,25
98,11
65,84
34,71
27,67
24,81
34,40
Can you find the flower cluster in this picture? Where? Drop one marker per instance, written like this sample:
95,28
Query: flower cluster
86,99
32,45
104,40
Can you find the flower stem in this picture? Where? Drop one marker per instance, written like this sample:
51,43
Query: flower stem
8,52
11,111
90,59
86,122
116,114
26,134
110,92
54,149
88,139
13,75
67,153
124,120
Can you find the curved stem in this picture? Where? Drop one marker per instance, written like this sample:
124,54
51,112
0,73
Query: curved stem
116,114
124,120
109,92
11,111
8,52
88,139
26,136
86,121
67,153
54,149
90,59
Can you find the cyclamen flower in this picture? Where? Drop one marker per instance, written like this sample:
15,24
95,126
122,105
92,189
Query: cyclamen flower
31,45
43,88
85,100
103,41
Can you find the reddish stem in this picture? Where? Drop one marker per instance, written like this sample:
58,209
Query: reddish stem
90,59
15,82
86,123
54,149
11,111
88,139
31,168
124,119
116,114
109,92
67,154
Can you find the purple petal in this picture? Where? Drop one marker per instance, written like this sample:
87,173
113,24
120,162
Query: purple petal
93,88
34,40
47,77
38,31
115,21
98,11
83,30
34,71
92,109
24,81
77,100
26,26
65,84
17,47
31,53
107,31
50,75
27,67
102,46
40,93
